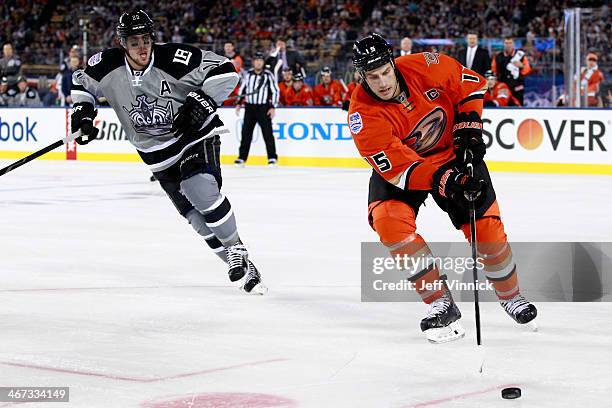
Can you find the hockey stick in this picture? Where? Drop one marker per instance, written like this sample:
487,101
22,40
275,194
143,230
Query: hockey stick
343,85
68,139
472,198
45,150
257,88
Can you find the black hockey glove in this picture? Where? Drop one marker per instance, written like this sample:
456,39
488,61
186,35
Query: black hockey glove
467,135
192,115
83,114
346,105
457,186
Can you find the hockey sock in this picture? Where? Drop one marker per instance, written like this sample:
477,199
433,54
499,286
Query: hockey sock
496,256
394,222
203,193
198,223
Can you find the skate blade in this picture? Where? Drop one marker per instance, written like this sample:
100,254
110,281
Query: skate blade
532,326
259,289
440,335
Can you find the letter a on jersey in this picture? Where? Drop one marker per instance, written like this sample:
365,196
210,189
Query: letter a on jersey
165,88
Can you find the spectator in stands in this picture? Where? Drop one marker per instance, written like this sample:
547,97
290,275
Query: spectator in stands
474,57
66,80
405,47
329,92
606,94
9,92
75,51
282,57
590,79
350,88
511,66
498,94
46,91
285,84
3,89
10,65
299,94
27,96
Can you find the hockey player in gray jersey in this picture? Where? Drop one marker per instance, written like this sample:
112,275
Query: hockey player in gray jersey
166,97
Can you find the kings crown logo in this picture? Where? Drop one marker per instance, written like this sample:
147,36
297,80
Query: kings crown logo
150,118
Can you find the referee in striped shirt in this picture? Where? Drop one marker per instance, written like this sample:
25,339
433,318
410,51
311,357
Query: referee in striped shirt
260,99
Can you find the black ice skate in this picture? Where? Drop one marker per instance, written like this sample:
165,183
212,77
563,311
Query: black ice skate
441,323
252,282
520,309
237,261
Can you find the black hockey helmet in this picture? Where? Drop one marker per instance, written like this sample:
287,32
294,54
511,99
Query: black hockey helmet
135,23
326,71
259,55
490,74
371,52
297,76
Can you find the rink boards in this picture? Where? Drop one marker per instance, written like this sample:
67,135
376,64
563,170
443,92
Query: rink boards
518,140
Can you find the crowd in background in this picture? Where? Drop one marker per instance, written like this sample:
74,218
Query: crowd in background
43,34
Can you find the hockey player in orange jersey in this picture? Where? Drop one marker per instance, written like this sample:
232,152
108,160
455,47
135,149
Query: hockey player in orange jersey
349,92
417,120
329,92
299,94
285,85
498,93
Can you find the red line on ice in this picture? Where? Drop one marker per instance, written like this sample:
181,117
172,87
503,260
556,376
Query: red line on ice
459,396
137,379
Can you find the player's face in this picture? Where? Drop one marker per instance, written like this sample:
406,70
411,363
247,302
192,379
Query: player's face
326,79
297,85
383,81
491,82
22,86
139,49
591,62
287,76
258,64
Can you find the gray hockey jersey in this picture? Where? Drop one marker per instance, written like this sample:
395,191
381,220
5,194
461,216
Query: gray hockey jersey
29,99
147,101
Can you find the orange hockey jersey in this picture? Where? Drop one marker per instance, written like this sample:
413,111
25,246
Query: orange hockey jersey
407,139
303,97
284,88
351,87
500,95
238,63
330,95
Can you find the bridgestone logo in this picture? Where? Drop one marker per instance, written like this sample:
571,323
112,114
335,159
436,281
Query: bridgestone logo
467,125
443,181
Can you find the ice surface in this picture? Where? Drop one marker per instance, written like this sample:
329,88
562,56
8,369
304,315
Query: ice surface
107,290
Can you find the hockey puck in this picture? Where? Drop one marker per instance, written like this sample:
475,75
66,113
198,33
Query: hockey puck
511,393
